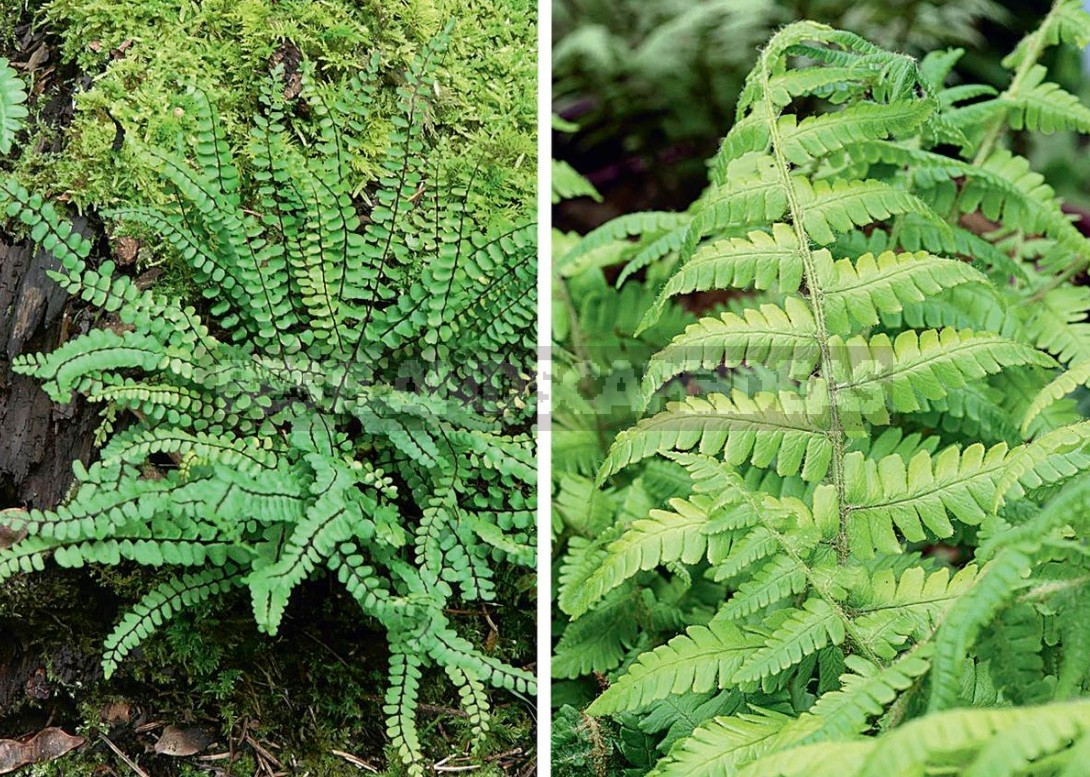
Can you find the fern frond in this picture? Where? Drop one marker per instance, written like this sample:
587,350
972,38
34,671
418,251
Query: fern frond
995,584
1067,22
366,412
160,605
874,287
823,759
1058,326
756,260
892,610
858,581
568,184
1075,662
797,634
775,581
473,698
621,228
921,493
755,197
1052,458
821,135
598,641
866,690
665,536
831,208
1043,106
924,365
1062,385
936,738
400,706
723,746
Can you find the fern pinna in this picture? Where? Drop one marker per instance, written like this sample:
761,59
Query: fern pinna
13,110
883,467
355,394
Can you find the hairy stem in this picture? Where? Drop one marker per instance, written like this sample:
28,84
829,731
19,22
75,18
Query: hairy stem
836,429
999,124
820,588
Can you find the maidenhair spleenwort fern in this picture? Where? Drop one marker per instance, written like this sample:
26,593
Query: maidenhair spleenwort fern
884,477
356,394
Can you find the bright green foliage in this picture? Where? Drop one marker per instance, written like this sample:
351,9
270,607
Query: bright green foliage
150,59
967,742
595,357
880,503
353,395
12,109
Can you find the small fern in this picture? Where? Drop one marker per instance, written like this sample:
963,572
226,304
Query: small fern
354,394
884,378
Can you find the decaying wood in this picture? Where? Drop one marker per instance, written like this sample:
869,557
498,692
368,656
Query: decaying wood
40,438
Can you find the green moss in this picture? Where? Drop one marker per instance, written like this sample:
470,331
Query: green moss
146,56
10,11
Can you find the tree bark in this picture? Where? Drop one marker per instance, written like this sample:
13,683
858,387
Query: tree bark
40,438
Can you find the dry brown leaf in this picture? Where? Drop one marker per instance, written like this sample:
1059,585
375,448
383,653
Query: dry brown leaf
47,745
38,58
182,742
119,52
9,536
115,713
126,249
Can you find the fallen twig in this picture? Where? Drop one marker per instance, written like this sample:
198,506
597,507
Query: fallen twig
355,760
128,761
263,752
